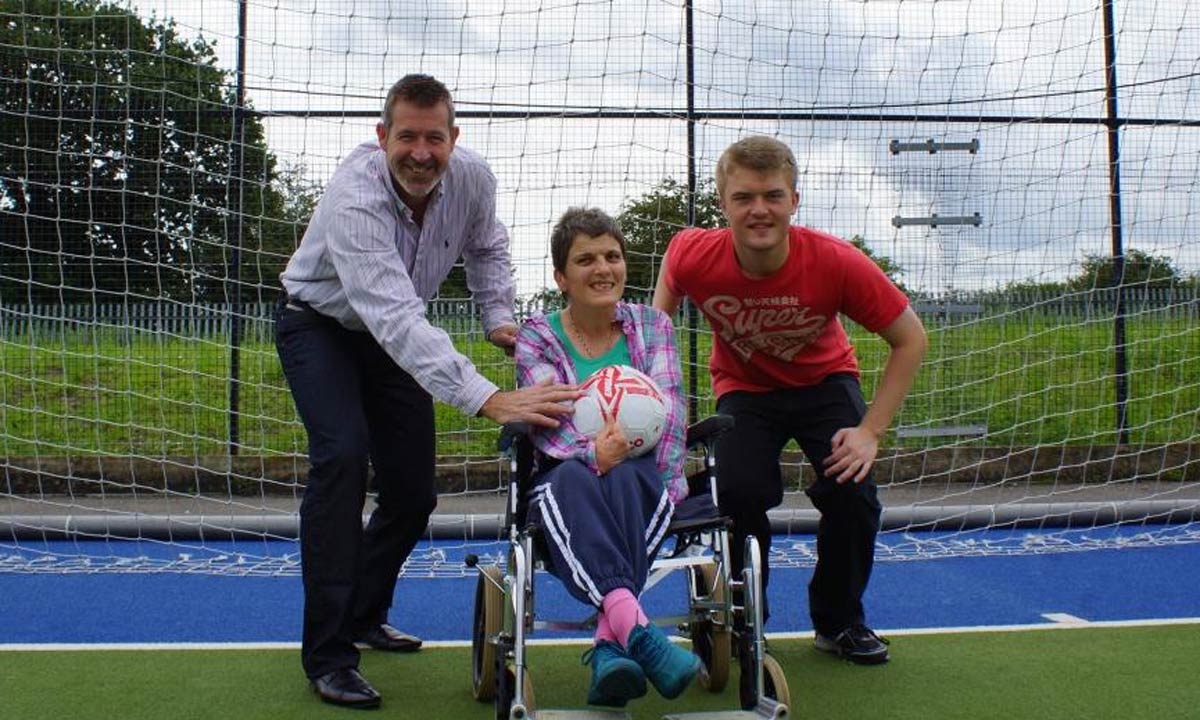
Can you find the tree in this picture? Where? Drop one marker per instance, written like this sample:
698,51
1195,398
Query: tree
1040,288
116,169
885,263
545,300
650,220
1140,269
279,225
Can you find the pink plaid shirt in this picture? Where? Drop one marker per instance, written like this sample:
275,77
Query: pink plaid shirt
650,336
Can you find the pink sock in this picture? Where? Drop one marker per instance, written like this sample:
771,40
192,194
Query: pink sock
604,629
623,613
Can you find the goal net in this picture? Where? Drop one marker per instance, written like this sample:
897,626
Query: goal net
1026,171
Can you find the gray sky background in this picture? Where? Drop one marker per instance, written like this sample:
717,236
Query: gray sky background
1041,189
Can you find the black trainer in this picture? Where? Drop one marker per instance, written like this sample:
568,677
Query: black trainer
858,643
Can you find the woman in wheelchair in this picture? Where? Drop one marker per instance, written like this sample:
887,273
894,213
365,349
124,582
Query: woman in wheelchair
603,513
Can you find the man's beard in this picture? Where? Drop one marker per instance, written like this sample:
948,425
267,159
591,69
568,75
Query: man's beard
406,170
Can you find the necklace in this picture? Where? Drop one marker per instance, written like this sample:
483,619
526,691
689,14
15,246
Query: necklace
581,341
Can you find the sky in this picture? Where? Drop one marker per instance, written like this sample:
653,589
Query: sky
1041,189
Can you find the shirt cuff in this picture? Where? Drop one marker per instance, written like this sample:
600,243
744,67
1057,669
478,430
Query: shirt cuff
474,394
493,319
589,458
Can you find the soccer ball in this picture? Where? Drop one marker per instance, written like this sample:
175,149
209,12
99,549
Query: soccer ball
631,397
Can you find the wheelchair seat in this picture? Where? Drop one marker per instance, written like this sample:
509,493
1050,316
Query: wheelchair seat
697,512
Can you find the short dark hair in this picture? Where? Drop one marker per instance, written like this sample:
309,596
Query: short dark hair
420,90
759,153
592,222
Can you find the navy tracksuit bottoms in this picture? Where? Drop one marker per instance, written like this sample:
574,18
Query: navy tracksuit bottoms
601,531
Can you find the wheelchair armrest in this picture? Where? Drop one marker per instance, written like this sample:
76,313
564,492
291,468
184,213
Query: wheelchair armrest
509,434
708,429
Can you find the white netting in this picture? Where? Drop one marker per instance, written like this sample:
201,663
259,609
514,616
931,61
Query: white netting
143,223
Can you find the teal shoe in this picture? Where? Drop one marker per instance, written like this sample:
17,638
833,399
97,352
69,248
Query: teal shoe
616,679
669,667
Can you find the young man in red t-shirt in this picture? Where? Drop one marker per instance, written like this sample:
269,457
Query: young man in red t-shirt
783,367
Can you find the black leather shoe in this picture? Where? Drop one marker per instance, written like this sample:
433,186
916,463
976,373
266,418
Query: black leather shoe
346,687
858,643
386,637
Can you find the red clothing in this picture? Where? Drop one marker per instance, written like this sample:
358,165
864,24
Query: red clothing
783,330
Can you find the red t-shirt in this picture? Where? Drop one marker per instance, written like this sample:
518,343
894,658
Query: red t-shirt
783,330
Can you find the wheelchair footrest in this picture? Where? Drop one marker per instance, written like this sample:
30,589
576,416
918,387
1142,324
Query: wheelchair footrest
580,715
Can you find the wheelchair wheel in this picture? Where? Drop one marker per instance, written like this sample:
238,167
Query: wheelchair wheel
527,690
487,623
505,693
712,641
747,690
775,685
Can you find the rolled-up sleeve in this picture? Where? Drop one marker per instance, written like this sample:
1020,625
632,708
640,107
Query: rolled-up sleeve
663,367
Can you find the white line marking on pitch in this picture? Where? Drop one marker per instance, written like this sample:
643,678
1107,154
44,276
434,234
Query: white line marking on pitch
1064,618
28,647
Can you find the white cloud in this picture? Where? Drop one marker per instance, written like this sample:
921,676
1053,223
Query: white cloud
1042,189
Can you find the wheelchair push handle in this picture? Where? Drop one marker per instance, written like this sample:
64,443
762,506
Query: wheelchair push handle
510,433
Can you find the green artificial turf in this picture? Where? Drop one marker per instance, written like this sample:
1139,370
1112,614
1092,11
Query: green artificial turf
1094,673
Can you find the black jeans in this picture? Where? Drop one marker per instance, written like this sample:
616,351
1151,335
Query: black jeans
357,406
749,483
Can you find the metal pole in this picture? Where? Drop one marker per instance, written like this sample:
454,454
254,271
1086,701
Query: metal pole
1113,122
690,309
237,163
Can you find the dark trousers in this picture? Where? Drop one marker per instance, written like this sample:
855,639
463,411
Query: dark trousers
601,531
749,483
357,406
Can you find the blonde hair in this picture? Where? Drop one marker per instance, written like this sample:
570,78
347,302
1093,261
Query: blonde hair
759,153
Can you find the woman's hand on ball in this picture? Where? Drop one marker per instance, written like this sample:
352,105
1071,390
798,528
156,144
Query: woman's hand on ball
611,446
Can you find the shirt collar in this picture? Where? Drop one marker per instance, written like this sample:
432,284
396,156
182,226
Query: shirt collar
435,197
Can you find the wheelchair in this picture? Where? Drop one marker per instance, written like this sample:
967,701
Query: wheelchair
720,627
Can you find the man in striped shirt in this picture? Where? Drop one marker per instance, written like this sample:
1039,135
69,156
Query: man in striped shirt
364,365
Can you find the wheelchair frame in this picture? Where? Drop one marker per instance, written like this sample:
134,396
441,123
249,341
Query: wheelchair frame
504,614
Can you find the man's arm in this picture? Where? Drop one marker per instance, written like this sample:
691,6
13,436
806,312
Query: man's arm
854,449
665,299
490,278
362,248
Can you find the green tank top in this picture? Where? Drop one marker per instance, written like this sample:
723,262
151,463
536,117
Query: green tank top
584,367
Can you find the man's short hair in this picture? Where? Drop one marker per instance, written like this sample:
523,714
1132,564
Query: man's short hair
591,222
421,90
759,153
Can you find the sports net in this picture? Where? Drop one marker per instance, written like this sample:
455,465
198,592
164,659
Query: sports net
160,161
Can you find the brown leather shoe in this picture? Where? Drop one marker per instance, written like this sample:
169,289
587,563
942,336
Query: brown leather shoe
386,637
346,687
